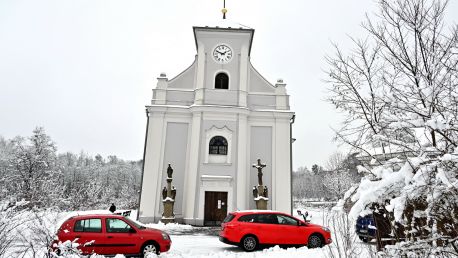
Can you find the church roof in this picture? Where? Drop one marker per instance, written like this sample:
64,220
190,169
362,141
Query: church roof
225,24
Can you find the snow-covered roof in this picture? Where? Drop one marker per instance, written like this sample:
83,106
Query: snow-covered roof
225,24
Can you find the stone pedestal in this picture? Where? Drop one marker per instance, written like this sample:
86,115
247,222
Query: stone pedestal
167,215
261,199
261,204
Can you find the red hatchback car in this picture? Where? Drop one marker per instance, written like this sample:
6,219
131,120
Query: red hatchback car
112,234
250,229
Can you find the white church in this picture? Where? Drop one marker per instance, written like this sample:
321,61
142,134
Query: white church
211,123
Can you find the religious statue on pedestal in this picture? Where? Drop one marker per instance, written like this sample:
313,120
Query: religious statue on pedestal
168,198
260,192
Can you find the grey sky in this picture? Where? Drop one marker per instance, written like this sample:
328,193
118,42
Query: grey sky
84,69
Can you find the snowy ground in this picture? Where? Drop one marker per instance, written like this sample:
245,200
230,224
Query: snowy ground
202,242
210,246
205,245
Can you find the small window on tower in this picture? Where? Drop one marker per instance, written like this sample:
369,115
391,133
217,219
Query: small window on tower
222,81
218,146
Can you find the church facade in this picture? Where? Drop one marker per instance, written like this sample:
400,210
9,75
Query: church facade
211,123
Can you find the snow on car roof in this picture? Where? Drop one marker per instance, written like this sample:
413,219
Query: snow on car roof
258,211
92,213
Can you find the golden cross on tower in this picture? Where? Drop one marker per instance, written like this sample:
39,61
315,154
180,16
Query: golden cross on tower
224,10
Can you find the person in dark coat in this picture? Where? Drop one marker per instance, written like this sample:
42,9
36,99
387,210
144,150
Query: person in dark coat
112,208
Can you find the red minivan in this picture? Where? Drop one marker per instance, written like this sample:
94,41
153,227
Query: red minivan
250,229
112,234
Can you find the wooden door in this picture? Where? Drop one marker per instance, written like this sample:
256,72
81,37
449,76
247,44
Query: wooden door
215,208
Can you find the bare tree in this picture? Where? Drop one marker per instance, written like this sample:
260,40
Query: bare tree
337,178
335,162
344,239
402,77
9,221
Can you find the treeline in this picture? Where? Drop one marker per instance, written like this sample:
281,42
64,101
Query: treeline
329,183
32,171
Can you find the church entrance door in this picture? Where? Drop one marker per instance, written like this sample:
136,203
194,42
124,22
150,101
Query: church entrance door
215,208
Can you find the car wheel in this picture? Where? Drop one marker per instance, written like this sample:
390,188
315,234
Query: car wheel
315,241
249,243
149,248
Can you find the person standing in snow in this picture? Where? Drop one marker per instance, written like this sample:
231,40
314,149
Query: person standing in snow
112,208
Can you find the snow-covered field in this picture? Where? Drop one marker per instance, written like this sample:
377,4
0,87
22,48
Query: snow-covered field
187,241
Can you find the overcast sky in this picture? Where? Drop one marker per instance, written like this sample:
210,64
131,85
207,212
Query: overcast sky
84,70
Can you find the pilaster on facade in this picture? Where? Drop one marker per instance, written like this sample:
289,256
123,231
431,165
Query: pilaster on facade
151,174
191,176
282,174
243,84
242,173
200,75
275,162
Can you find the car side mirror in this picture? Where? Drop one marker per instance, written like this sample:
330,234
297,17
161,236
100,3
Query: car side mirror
131,230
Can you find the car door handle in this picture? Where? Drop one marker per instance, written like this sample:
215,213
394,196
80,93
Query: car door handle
77,236
109,236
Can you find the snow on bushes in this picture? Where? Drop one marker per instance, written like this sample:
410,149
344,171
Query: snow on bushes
422,196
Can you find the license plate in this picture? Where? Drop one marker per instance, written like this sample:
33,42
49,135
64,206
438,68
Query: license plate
363,231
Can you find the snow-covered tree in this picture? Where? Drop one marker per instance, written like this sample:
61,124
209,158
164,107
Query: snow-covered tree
337,179
399,91
93,184
33,170
5,176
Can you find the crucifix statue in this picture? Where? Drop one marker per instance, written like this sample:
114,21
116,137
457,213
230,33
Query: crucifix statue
260,192
259,167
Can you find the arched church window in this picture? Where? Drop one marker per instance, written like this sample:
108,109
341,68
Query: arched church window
222,81
218,146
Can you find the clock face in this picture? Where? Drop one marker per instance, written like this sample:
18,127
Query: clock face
222,54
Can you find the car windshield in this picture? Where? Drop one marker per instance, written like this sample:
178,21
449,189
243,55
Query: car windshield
136,223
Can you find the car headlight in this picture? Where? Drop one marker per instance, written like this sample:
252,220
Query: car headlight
325,229
165,236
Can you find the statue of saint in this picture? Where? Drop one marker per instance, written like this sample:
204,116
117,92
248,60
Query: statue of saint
174,192
255,192
169,171
164,193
